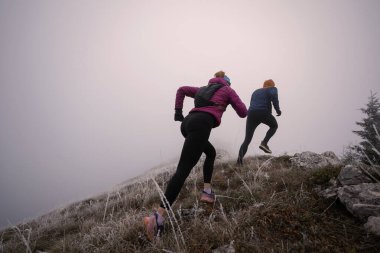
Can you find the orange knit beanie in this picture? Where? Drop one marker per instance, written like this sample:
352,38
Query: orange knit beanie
268,83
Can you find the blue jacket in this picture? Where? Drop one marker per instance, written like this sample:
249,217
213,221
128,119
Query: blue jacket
262,98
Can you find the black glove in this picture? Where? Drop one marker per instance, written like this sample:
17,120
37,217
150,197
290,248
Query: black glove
178,116
278,113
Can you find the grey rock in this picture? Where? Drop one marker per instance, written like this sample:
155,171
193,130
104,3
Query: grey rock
331,155
328,193
350,175
362,200
313,160
333,182
373,225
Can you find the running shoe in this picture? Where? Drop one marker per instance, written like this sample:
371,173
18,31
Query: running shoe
208,197
152,227
263,146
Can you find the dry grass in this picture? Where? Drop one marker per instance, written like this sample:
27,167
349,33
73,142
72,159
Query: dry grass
263,206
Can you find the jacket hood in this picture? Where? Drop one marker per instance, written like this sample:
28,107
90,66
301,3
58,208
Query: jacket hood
218,80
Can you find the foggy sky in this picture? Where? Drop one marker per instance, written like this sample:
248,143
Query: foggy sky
87,88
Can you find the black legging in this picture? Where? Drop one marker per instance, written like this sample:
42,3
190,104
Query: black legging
196,128
254,119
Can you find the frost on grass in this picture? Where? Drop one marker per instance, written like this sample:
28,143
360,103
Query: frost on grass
263,206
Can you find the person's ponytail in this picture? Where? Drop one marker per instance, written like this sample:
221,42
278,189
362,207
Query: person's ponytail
220,74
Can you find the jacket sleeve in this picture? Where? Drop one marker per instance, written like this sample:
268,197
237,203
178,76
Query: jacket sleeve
274,99
182,92
237,104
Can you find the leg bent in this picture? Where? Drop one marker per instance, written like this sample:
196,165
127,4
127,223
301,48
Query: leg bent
272,123
250,128
197,129
208,166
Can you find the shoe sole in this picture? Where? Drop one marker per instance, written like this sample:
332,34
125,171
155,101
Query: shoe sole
208,201
265,150
147,225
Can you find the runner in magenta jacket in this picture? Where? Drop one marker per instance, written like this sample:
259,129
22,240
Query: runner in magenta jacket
196,128
223,97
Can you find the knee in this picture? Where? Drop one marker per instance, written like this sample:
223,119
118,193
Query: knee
274,126
212,154
180,176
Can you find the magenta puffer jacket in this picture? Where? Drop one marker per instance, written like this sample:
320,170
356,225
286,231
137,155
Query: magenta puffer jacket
222,98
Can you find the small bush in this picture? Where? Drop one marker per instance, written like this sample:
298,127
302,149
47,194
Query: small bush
323,176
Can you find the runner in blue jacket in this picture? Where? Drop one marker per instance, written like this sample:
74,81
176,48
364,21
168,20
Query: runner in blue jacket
260,111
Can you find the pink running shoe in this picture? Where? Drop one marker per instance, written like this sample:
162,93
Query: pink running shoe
208,197
152,228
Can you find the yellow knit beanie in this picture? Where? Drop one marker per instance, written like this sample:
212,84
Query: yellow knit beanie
220,74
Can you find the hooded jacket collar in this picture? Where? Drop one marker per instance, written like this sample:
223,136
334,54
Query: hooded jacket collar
218,80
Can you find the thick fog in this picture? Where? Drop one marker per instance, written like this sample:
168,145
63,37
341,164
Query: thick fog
87,88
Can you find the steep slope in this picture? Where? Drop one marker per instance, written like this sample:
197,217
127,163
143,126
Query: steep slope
264,206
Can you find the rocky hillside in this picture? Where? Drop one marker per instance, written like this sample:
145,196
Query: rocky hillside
300,203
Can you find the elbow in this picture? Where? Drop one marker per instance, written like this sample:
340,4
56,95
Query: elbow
243,114
180,90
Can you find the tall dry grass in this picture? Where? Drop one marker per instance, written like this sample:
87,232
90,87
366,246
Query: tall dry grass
263,206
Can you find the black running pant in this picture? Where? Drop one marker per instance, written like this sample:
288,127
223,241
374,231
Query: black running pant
196,129
254,119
